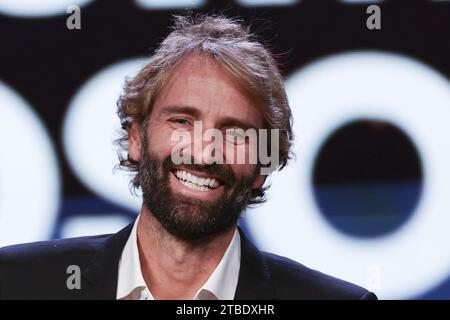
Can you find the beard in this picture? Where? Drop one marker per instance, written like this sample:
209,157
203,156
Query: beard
187,218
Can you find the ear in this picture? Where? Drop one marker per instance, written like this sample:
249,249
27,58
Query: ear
134,142
259,181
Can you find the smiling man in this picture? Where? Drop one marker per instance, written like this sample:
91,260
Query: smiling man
209,75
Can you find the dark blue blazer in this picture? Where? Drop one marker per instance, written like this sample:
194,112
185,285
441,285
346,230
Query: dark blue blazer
39,271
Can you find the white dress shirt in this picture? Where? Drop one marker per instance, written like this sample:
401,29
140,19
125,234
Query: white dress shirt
221,284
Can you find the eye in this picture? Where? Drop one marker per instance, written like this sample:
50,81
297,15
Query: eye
235,135
181,121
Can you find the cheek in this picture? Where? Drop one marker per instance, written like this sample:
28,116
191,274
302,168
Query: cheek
243,154
159,139
243,170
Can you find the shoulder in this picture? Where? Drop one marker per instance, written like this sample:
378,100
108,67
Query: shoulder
40,269
292,280
47,251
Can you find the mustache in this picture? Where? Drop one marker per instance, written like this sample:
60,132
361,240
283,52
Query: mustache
221,172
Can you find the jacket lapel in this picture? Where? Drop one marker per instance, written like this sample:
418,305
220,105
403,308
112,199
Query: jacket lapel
254,282
102,273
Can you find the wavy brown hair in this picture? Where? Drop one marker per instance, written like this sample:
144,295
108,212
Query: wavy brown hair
246,59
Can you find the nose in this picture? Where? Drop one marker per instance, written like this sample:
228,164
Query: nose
207,144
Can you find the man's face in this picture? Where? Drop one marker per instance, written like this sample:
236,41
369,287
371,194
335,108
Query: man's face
195,200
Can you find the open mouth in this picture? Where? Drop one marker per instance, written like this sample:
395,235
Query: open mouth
195,182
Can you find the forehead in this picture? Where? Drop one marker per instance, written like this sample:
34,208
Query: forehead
201,82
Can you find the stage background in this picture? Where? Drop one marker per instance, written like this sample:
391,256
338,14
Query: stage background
367,198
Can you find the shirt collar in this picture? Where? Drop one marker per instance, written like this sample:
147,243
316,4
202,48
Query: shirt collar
221,284
130,281
223,281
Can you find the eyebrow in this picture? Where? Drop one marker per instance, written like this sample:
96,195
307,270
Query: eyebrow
170,110
196,113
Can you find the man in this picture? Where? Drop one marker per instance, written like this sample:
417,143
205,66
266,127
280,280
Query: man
210,73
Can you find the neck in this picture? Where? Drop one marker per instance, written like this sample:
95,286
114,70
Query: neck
173,268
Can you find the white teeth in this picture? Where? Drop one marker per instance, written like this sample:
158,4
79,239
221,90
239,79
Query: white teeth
194,186
196,183
213,183
190,185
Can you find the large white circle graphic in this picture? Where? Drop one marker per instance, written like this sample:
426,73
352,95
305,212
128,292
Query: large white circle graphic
90,127
29,173
38,8
325,95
